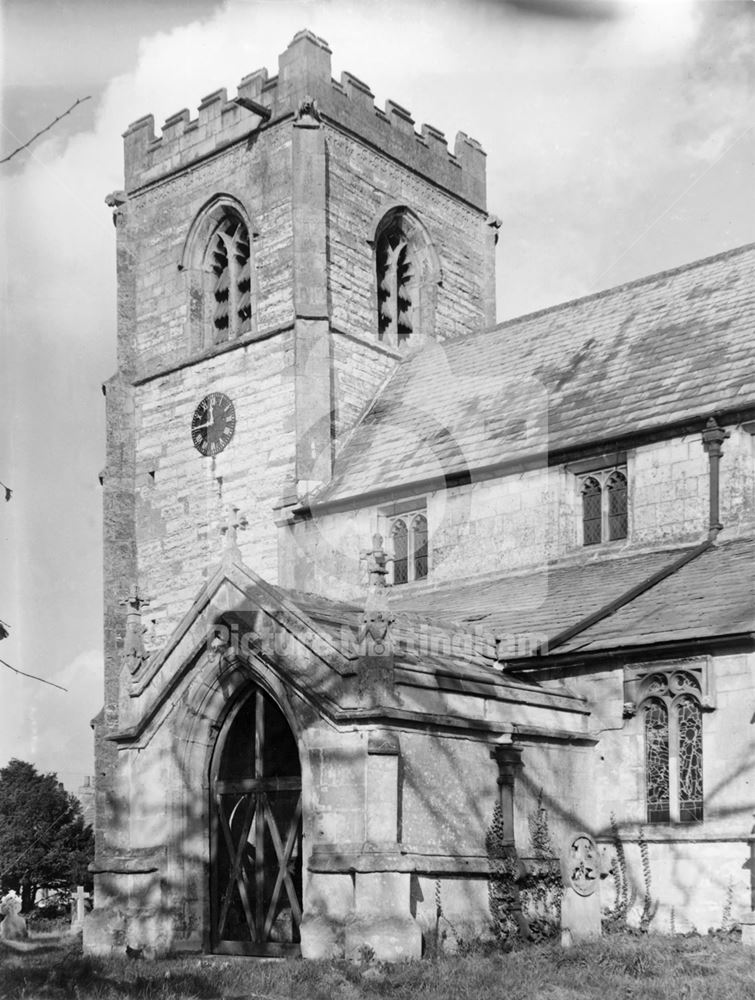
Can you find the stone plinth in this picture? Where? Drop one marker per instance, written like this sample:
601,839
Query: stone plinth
383,922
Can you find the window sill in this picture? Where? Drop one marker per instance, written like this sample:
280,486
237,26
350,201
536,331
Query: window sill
609,543
667,833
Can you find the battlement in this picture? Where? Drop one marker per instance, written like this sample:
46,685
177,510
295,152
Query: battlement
261,102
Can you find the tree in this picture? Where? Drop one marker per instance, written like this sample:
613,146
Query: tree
44,843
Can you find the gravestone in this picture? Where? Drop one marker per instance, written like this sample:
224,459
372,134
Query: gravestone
78,908
13,927
580,904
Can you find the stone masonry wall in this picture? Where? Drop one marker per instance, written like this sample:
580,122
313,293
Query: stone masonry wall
358,371
526,519
363,185
183,497
157,225
669,487
691,864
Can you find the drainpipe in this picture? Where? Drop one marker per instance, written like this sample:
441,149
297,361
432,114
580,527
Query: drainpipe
713,438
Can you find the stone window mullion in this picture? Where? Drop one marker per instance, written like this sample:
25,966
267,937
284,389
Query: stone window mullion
673,765
233,289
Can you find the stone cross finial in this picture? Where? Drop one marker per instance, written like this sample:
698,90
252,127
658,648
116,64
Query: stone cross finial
376,681
234,522
134,653
376,558
135,602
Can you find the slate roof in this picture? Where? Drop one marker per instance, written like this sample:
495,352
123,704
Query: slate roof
668,348
713,595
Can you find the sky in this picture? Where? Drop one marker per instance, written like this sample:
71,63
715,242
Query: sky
620,140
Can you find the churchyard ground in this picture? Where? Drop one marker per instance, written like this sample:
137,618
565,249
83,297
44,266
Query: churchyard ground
616,968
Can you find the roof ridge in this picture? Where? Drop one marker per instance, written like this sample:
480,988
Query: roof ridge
602,293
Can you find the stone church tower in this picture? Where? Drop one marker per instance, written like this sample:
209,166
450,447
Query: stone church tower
382,579
277,255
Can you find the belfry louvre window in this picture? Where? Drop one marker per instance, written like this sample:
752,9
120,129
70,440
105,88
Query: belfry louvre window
229,262
407,278
395,277
409,538
604,506
672,719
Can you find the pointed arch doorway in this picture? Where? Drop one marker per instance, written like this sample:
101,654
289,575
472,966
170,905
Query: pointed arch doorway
256,869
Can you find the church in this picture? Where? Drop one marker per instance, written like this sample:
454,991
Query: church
378,569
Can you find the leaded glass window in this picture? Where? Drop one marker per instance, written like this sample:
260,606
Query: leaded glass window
400,551
591,511
419,546
604,506
616,489
656,761
410,551
673,726
690,735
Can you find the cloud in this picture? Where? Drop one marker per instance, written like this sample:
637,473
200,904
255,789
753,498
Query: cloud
51,727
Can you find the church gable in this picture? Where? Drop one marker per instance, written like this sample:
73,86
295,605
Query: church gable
235,617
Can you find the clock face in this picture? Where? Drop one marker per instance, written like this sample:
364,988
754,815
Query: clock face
213,424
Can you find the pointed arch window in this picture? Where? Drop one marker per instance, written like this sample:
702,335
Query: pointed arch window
604,506
229,262
220,273
407,273
690,736
400,537
419,546
396,290
592,511
616,488
410,547
673,732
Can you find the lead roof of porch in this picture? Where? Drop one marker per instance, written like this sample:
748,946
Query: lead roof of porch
665,349
451,652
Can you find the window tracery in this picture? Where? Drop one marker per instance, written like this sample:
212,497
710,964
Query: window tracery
671,703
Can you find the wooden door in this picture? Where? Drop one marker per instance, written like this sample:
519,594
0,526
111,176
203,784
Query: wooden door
256,832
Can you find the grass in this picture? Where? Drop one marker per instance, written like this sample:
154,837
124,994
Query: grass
625,968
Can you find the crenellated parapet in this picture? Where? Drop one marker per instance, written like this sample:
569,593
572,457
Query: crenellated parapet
262,102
